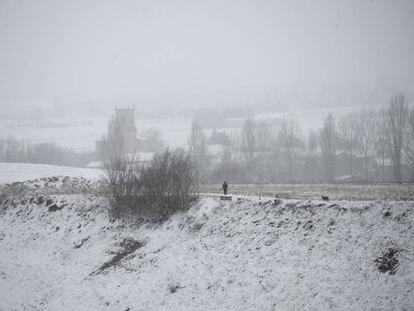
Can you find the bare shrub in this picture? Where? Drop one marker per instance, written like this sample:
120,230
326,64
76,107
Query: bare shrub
121,185
169,183
166,184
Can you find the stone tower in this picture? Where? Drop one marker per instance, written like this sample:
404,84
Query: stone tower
126,117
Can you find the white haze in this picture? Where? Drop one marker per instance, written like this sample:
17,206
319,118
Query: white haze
193,53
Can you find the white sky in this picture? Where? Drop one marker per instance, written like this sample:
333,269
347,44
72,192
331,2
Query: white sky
116,49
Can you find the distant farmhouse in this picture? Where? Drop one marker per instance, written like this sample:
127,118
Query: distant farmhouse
127,131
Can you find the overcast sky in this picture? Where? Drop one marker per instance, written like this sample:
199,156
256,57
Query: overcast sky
128,49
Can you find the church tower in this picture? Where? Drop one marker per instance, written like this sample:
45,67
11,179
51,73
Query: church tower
126,117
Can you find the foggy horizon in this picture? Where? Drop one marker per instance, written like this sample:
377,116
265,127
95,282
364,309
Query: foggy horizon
187,53
206,155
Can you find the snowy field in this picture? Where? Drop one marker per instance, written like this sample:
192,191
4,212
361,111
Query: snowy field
63,252
80,134
18,172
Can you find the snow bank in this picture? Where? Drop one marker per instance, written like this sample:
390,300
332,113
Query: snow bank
244,255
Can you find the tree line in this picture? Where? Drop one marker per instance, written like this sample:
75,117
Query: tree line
13,150
364,145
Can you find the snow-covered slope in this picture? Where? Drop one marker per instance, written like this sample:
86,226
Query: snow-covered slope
19,172
63,252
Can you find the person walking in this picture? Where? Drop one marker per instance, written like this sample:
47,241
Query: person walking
225,186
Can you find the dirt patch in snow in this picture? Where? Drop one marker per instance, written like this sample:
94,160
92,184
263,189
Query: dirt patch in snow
388,260
128,246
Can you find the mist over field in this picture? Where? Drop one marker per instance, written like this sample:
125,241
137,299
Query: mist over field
206,155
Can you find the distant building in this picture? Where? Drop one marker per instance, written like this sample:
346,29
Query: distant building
125,119
385,170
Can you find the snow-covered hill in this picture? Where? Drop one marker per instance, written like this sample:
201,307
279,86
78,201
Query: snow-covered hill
63,252
19,172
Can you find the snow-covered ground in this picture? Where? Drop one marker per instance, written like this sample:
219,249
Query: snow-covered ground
334,191
63,252
14,172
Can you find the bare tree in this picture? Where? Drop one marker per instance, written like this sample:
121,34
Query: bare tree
382,145
248,138
290,140
228,169
12,150
409,141
155,142
264,137
328,142
397,113
113,140
263,140
349,138
248,144
197,146
311,156
367,122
